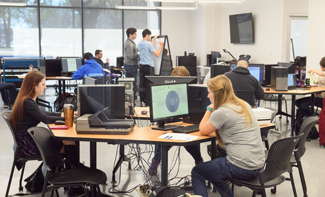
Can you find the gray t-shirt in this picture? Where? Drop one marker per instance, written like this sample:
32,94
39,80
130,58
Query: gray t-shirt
243,143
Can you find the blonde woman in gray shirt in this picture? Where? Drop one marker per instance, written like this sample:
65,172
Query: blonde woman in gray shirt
233,120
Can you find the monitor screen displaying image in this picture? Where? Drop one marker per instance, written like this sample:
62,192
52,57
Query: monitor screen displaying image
168,101
257,71
70,64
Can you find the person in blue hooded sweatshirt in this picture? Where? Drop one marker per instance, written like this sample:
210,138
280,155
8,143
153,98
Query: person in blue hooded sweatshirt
90,67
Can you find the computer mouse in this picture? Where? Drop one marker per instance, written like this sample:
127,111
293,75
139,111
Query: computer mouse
267,89
59,122
144,112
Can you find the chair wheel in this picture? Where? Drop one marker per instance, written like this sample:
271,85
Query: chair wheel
273,191
21,189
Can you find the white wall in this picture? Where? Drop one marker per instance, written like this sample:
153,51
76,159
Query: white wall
207,29
175,25
316,29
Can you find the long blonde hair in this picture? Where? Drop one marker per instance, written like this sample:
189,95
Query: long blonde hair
223,93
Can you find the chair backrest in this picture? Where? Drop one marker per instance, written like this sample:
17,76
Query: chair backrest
305,129
278,158
6,117
43,138
246,95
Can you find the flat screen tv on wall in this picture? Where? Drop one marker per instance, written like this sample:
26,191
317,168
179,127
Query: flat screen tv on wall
241,28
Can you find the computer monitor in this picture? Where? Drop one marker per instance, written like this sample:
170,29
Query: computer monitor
164,80
291,66
197,102
119,62
267,74
257,70
214,57
233,66
168,101
217,69
95,80
70,64
93,98
292,82
51,68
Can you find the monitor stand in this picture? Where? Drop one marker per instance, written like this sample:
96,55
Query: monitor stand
163,127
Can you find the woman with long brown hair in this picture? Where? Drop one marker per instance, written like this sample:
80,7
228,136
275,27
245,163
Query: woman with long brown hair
234,121
26,114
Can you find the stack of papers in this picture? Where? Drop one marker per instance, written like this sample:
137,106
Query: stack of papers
178,136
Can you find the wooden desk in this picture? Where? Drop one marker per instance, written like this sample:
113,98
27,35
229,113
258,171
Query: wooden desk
144,135
137,113
293,93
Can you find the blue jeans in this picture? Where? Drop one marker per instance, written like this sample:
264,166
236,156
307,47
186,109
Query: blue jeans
132,70
194,150
217,172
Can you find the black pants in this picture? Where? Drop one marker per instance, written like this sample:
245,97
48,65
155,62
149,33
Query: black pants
12,92
145,70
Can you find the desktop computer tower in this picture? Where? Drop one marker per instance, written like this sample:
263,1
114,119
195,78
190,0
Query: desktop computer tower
128,82
279,78
189,62
217,69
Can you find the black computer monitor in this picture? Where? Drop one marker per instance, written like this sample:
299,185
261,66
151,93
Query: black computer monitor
70,64
119,62
197,102
168,101
233,66
93,98
267,74
216,69
51,68
165,79
95,80
291,67
214,57
257,70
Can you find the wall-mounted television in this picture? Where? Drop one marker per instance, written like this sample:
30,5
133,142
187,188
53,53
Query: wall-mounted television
241,28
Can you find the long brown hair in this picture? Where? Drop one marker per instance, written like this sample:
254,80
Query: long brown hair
223,93
32,79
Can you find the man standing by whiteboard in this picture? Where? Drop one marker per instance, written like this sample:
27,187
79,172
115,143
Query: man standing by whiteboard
131,56
146,49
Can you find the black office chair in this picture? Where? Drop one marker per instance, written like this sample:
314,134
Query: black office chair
277,163
52,161
19,161
44,103
300,149
246,95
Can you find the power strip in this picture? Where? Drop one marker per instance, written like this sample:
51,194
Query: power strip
146,194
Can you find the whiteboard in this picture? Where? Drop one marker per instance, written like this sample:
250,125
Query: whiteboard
157,60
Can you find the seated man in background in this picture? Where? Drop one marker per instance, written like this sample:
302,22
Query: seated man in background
242,80
98,56
90,67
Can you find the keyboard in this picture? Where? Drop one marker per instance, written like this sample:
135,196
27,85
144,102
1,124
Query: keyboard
186,129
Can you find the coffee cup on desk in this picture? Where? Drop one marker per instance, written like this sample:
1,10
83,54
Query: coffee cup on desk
68,114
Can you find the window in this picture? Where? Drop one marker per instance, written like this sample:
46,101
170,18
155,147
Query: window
71,27
18,31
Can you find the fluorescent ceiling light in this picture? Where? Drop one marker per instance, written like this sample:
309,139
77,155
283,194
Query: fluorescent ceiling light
154,8
199,1
12,4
